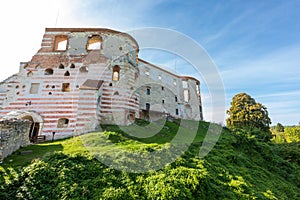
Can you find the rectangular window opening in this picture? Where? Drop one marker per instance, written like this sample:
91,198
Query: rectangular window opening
61,43
184,84
186,95
34,88
65,87
148,91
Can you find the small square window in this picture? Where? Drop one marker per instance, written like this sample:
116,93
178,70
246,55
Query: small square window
65,87
34,88
62,123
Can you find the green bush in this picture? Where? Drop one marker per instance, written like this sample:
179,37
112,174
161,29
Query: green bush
240,166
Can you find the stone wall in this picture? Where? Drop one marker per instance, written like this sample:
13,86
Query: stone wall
14,133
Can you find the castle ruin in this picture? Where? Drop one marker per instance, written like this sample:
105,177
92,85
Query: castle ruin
83,77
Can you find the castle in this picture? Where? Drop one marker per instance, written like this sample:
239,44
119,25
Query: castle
83,77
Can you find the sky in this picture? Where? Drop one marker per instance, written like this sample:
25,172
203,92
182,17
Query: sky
254,44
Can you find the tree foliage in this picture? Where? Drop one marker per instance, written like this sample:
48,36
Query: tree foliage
245,112
292,134
279,128
238,167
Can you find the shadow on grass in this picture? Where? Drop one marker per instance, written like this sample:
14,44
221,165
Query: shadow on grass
26,155
164,131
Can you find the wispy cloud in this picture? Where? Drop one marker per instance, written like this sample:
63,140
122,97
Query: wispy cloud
255,44
268,69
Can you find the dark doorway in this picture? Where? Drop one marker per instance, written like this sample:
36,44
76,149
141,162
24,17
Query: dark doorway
34,131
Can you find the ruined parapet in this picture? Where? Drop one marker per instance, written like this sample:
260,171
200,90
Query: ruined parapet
14,133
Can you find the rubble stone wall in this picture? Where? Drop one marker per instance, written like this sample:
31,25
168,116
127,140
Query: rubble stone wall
14,133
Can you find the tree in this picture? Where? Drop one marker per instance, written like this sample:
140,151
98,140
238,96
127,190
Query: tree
279,128
245,112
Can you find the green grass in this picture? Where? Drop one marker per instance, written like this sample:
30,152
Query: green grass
68,146
238,167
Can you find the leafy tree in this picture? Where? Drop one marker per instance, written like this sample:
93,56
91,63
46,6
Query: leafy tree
245,112
279,127
292,134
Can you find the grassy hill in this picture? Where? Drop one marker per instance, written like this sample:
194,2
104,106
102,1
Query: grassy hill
238,167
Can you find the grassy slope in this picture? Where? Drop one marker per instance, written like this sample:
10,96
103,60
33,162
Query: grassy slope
238,167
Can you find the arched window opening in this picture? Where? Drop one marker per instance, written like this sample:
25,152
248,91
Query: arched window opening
72,66
116,73
67,73
48,71
30,73
63,123
148,90
83,69
148,106
131,117
61,66
25,65
37,66
61,42
116,93
94,43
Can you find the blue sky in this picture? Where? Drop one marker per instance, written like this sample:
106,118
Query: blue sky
255,44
